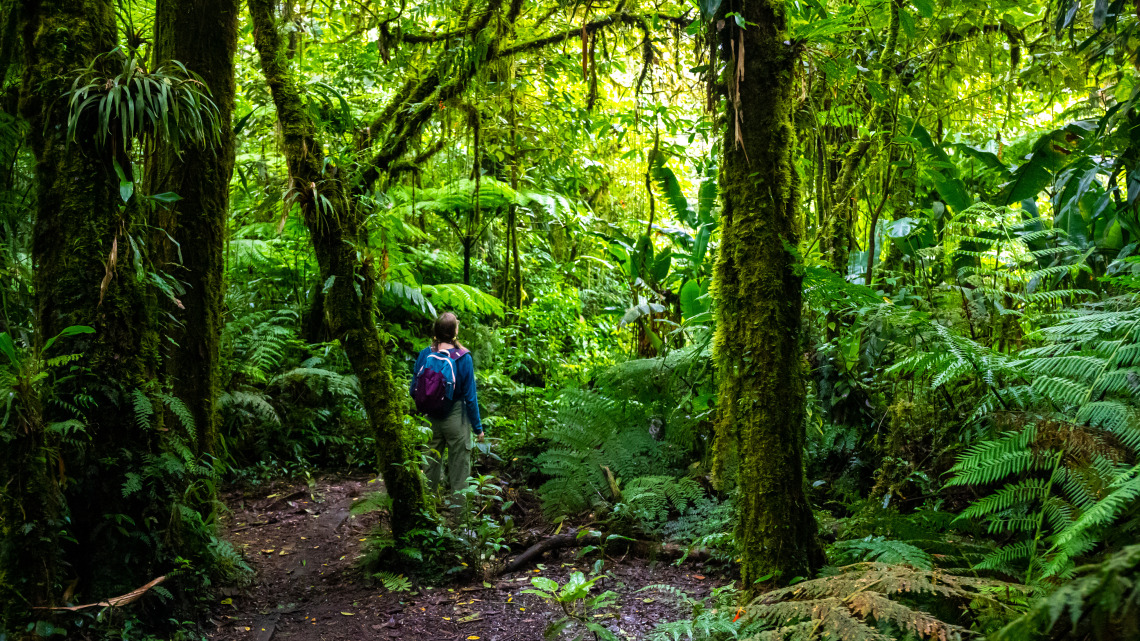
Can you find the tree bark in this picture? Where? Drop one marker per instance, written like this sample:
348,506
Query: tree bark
339,238
201,34
81,240
759,357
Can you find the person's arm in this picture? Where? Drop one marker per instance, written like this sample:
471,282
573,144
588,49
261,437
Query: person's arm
466,367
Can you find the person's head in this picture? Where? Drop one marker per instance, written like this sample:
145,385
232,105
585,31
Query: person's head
446,329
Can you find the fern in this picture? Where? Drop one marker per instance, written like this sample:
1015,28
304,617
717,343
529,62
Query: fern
143,409
864,601
709,618
1072,403
1005,256
393,582
592,436
1100,603
373,502
882,550
648,501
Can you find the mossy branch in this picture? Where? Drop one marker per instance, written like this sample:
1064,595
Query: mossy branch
419,99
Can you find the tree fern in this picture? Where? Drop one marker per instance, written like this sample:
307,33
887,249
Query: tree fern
594,441
882,550
1103,602
868,601
1015,264
1072,400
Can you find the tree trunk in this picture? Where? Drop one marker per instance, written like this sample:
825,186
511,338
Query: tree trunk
518,292
760,424
201,34
468,244
337,234
81,251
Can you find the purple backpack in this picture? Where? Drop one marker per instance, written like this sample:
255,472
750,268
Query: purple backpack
434,387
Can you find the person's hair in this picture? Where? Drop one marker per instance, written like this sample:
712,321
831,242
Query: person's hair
445,330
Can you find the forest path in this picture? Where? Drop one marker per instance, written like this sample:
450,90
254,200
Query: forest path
303,543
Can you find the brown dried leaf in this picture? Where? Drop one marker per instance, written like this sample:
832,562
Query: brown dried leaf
112,259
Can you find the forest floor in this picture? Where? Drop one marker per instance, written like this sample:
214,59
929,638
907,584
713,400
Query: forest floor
303,543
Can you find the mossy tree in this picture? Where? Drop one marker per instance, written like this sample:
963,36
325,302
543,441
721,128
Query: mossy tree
759,356
202,35
80,242
124,477
335,224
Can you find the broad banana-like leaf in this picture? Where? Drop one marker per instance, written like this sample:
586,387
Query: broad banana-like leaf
1036,173
701,245
706,200
661,266
639,311
642,257
693,299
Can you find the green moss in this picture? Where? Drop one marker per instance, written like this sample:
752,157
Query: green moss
759,357
82,244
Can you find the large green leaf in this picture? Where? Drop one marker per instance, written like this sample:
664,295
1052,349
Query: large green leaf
706,200
910,234
68,331
642,257
8,348
692,299
952,190
1036,173
661,266
708,8
987,158
700,245
639,311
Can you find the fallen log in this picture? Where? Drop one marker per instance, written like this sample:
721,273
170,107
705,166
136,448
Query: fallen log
566,539
577,539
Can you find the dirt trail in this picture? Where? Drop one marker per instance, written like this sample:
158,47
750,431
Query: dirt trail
303,543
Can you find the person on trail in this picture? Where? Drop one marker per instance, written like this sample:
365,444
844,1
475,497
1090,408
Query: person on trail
443,386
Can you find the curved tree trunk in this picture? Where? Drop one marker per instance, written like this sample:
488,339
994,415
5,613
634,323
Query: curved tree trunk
201,34
338,239
760,422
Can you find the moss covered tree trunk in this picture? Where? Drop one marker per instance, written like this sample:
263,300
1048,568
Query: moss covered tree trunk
339,241
760,363
201,34
83,276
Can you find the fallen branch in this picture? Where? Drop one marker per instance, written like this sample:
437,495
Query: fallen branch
569,539
116,602
577,539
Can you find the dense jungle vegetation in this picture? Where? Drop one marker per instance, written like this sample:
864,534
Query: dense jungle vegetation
836,300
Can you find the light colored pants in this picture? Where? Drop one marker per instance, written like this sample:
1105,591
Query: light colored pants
453,434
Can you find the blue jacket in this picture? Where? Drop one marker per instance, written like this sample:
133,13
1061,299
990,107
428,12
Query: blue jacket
464,386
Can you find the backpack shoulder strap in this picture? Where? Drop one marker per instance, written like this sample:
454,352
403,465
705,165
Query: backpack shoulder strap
457,354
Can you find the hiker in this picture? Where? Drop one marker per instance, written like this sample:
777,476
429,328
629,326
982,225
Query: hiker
443,386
